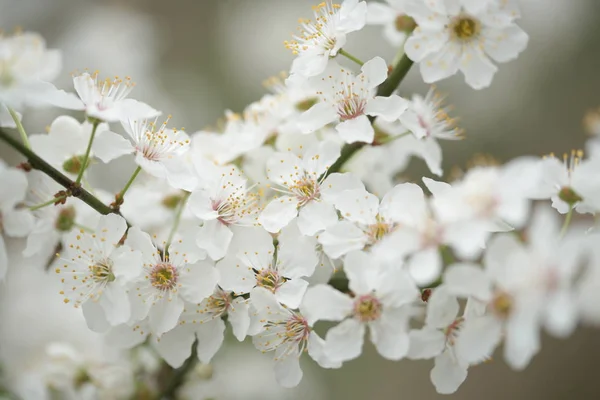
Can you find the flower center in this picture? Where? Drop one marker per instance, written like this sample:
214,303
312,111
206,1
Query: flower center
378,230
164,276
102,271
74,164
451,331
465,28
569,196
351,106
367,308
319,34
269,279
305,190
502,304
296,329
171,202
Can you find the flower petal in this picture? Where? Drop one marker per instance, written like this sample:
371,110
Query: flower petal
357,129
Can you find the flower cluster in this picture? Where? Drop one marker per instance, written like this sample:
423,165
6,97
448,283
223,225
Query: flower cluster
290,213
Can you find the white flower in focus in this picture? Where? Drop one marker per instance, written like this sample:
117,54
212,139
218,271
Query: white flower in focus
437,337
221,201
66,142
525,287
159,150
365,221
305,192
463,35
288,334
392,15
347,100
382,301
105,100
321,39
166,282
14,220
250,263
95,272
572,182
26,67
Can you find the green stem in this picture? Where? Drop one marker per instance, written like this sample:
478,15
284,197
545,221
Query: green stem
20,128
393,80
38,163
351,57
47,203
128,184
87,151
176,221
567,222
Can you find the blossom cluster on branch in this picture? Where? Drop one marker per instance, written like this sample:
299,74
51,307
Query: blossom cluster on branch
290,212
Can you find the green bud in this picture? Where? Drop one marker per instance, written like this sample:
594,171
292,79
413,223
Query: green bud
66,219
74,164
171,202
404,23
569,196
81,377
306,104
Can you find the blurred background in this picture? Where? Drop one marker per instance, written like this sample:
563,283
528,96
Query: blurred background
196,58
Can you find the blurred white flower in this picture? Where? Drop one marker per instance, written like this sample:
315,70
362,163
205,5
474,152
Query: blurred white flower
392,15
15,221
26,68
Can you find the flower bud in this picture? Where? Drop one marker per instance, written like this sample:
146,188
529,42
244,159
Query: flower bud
404,23
74,164
569,196
65,219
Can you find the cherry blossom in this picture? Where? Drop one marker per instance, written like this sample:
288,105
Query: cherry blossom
347,100
168,280
288,334
463,35
321,39
95,271
251,263
382,301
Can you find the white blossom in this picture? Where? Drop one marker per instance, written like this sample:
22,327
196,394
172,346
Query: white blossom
392,15
104,99
95,271
288,334
26,68
251,263
382,301
463,35
321,39
15,221
167,281
347,100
